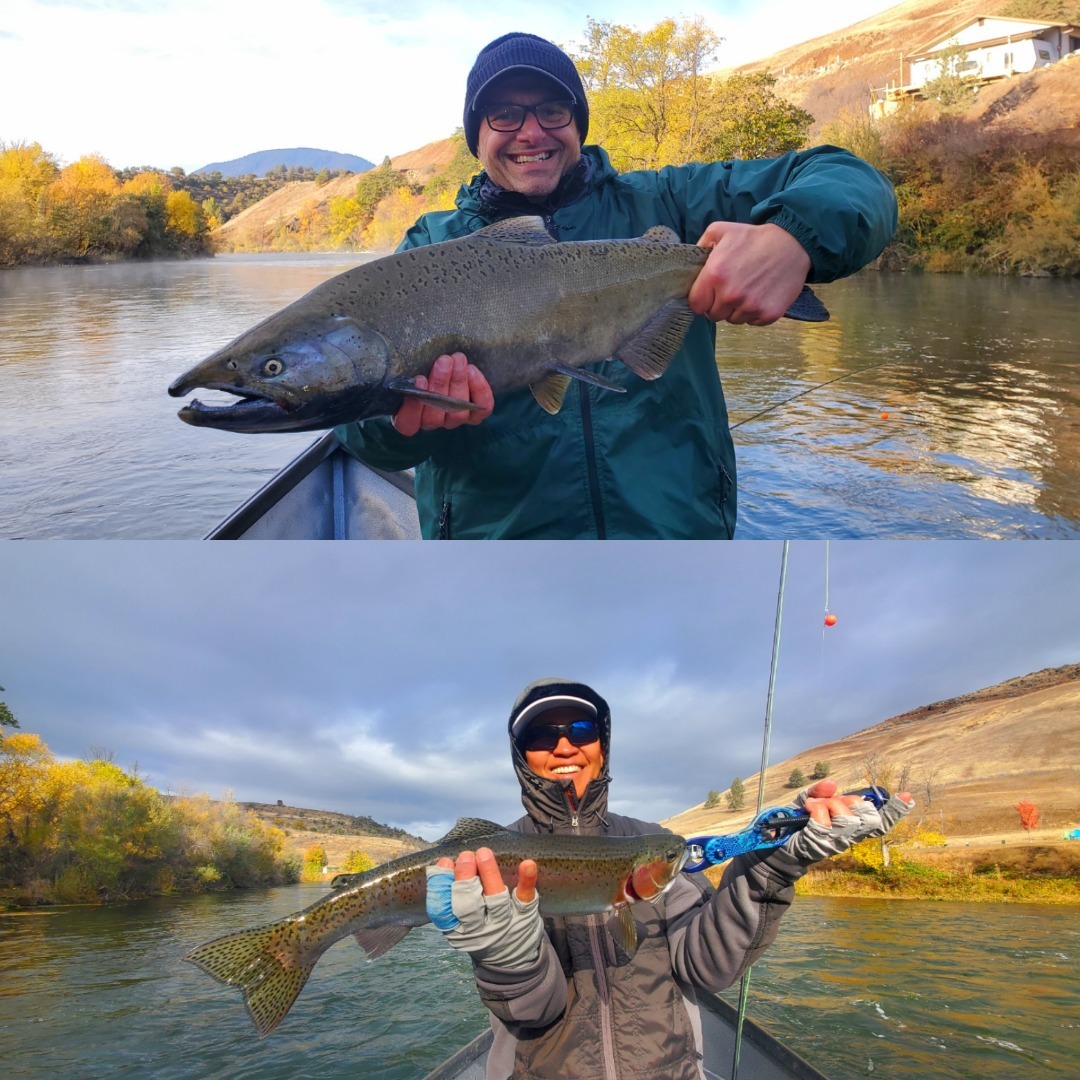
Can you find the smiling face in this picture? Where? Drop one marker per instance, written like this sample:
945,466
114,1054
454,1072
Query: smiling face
578,763
530,161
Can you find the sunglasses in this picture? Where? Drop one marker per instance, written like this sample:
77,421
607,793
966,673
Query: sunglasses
547,736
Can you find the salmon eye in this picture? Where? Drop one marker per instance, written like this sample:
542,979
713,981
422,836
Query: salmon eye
273,366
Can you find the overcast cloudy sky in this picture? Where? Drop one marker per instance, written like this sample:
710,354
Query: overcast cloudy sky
190,82
377,678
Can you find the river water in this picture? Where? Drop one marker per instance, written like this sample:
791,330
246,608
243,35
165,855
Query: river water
900,989
929,406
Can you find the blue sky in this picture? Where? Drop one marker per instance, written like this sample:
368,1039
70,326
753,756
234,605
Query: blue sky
377,678
189,82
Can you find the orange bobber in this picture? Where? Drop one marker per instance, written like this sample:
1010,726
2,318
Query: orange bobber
830,620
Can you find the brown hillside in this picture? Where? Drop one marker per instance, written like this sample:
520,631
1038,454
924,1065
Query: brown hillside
835,73
335,833
419,166
982,753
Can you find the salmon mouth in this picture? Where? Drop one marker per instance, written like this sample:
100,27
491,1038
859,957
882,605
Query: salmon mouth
252,408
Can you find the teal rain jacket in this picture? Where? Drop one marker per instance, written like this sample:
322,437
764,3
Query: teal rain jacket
657,462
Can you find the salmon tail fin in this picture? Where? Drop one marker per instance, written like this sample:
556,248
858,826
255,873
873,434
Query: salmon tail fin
269,970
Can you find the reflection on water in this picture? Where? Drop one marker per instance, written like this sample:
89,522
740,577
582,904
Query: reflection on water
901,989
918,989
929,406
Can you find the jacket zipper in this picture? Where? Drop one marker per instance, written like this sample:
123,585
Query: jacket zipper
607,1041
587,428
590,461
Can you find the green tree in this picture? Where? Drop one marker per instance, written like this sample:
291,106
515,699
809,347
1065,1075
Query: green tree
712,799
821,770
7,717
736,794
746,118
950,89
796,779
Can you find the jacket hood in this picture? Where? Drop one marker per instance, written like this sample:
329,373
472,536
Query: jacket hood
551,803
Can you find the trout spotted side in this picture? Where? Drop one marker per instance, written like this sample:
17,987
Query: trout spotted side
578,875
525,309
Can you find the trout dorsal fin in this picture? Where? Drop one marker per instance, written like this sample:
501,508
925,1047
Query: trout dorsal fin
518,230
466,830
650,350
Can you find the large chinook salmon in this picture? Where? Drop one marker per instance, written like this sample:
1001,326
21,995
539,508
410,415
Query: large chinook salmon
525,309
578,875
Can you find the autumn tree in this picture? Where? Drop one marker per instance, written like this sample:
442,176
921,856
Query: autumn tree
80,204
26,172
314,861
646,89
736,794
1029,815
356,862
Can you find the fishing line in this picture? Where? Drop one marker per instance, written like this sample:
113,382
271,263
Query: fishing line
810,390
744,985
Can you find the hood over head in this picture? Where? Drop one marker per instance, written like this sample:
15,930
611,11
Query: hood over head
550,803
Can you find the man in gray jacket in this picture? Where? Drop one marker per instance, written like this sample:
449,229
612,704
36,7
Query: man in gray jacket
565,1000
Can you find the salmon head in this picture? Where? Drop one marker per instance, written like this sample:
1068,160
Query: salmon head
296,371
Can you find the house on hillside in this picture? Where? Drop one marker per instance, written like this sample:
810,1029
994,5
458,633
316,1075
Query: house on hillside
996,49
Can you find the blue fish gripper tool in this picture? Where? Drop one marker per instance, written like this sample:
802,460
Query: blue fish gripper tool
769,829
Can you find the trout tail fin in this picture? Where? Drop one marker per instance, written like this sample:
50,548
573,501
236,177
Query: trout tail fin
269,969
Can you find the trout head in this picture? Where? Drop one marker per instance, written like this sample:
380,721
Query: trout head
293,372
654,870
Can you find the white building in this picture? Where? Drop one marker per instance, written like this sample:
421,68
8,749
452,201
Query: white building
998,48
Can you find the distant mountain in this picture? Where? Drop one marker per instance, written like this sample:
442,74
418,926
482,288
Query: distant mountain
302,157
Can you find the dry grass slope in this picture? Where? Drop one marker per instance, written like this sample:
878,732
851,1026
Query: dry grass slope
985,751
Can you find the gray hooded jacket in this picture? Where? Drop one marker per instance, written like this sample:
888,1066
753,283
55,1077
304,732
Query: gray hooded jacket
588,1011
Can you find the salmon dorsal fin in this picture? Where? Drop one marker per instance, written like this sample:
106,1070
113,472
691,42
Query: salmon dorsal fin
468,829
650,350
518,230
661,234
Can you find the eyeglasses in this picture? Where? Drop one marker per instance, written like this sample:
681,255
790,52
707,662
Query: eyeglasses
547,736
550,115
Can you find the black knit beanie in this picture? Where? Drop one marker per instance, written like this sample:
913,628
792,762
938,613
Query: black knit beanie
522,52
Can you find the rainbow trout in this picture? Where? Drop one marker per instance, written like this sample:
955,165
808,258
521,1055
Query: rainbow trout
578,875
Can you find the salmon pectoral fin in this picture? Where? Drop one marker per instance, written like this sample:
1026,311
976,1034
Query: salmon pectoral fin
650,350
380,939
269,976
625,930
402,385
590,377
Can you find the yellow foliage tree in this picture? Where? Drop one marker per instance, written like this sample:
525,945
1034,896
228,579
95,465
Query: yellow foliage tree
356,862
314,861
24,765
26,172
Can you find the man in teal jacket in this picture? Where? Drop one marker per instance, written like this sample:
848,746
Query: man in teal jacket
657,462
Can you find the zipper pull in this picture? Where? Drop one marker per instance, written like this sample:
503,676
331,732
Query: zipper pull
574,819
